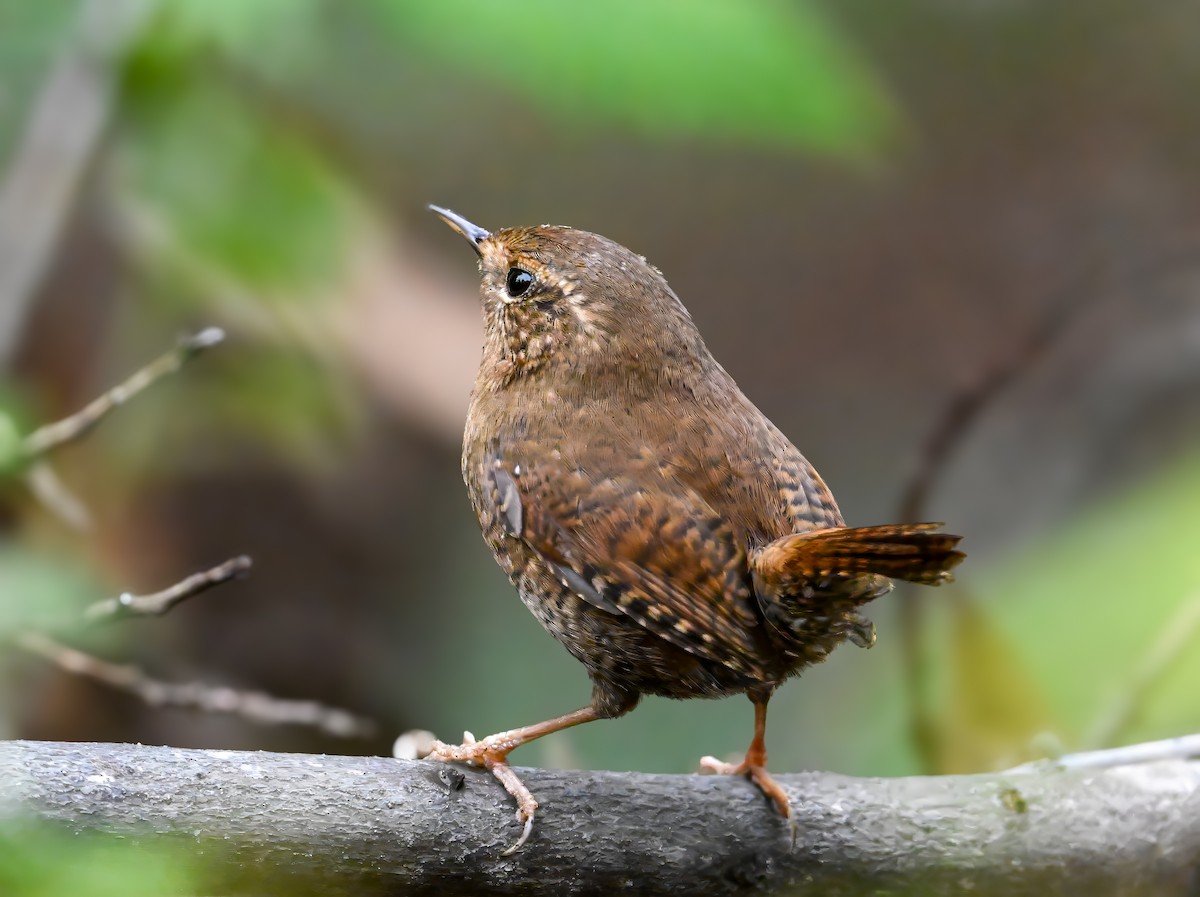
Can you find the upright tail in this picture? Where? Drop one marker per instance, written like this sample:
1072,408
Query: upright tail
807,563
811,585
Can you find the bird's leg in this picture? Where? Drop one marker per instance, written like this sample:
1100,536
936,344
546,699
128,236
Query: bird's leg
492,754
754,766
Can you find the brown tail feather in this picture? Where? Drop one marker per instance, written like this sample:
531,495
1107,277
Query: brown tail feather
909,551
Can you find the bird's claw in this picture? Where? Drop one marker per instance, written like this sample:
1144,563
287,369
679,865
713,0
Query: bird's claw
471,752
527,817
526,803
712,765
493,756
759,776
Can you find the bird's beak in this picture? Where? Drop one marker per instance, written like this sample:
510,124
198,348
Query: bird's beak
473,232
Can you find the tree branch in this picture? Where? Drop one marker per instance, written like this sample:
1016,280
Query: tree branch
947,436
69,429
127,605
369,825
255,706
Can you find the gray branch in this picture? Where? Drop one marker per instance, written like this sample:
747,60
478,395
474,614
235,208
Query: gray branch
368,825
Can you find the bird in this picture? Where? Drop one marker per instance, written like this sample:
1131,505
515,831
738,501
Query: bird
652,519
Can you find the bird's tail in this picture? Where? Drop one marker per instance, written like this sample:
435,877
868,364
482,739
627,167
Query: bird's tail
805,562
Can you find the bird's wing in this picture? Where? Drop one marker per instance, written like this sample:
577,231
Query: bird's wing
663,558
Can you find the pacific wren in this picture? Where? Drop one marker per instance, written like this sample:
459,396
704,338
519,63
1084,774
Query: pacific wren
651,517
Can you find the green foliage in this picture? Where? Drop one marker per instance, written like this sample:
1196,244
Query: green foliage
185,29
991,707
45,862
755,71
1086,609
39,590
296,405
232,189
10,443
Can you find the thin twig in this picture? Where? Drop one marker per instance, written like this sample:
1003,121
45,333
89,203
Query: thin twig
128,605
54,495
251,705
52,436
1184,747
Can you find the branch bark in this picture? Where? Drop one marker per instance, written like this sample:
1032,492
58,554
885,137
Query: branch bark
369,825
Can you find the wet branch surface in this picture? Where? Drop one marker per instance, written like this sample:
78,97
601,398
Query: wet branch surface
305,824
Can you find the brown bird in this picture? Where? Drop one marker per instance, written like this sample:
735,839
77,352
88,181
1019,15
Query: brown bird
651,517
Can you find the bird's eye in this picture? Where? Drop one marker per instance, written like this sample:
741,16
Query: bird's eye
519,282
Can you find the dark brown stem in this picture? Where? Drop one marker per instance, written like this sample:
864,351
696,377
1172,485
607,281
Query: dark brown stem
948,434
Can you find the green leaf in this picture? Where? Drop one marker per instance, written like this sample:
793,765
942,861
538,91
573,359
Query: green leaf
993,708
762,72
267,34
239,191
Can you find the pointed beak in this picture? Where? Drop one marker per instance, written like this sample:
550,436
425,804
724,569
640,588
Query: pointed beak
473,232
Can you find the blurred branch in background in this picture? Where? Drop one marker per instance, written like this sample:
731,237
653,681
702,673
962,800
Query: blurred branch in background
28,457
986,672
55,149
254,706
285,823
257,707
126,605
51,436
946,436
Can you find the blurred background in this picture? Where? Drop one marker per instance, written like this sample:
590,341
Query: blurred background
872,210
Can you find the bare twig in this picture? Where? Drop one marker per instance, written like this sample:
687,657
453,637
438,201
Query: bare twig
251,705
52,436
964,410
127,605
1184,747
255,706
307,825
49,489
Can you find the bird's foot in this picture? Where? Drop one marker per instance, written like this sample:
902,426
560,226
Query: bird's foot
492,754
757,773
